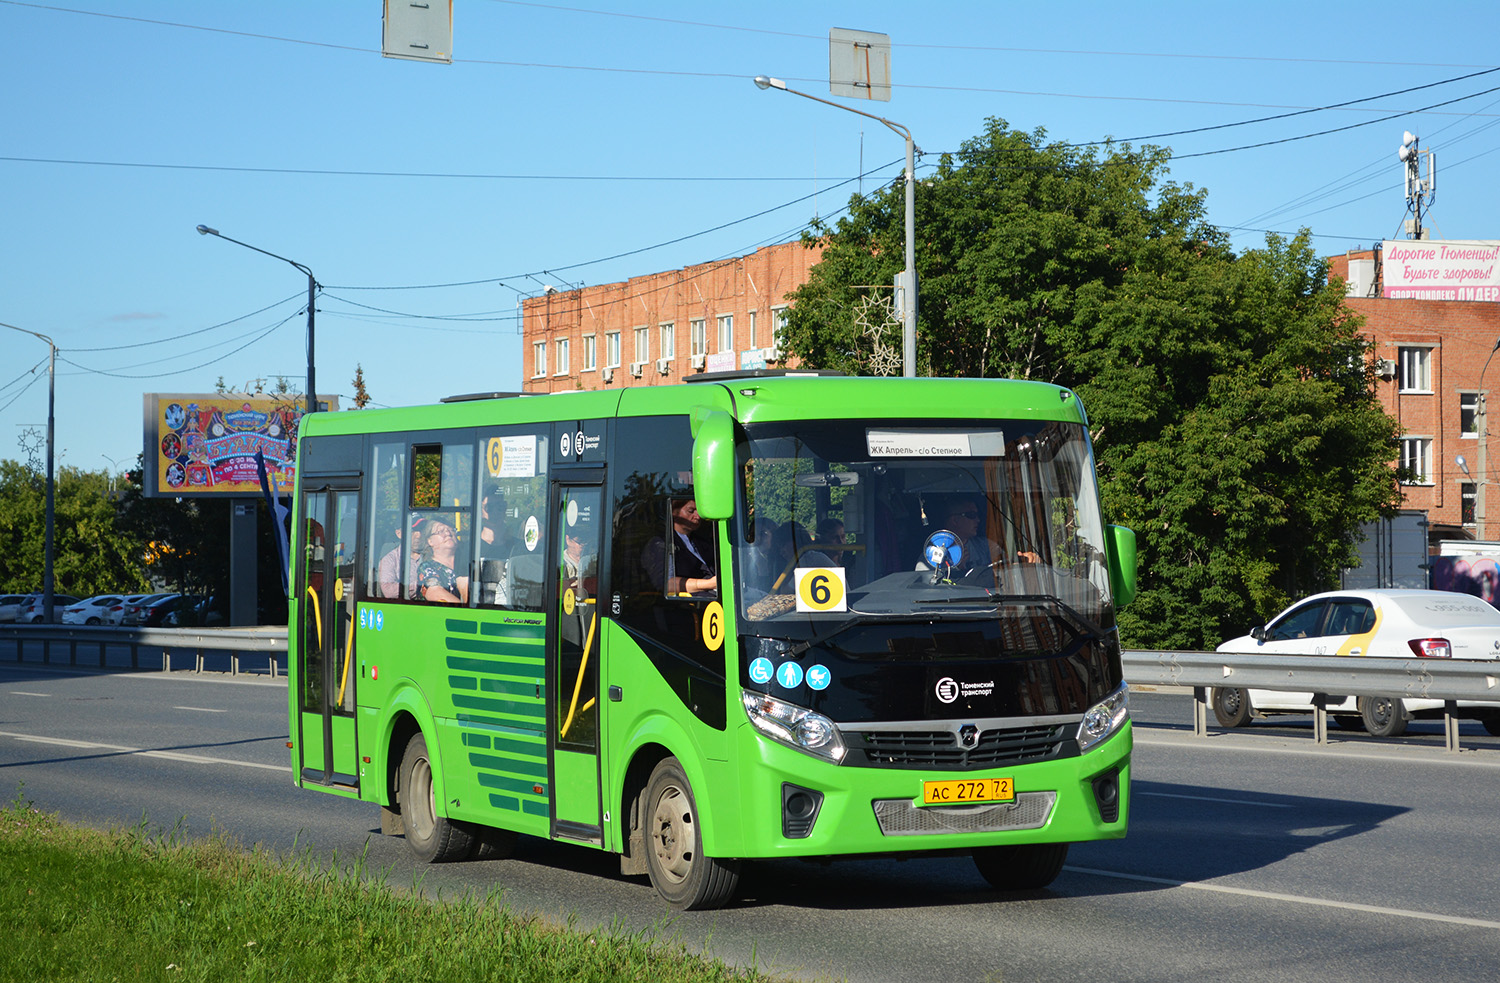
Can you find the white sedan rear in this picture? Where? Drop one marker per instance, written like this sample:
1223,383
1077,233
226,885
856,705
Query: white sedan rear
1397,624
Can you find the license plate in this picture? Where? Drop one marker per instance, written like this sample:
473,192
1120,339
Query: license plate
968,791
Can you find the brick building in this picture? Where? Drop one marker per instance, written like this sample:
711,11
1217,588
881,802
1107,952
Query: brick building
1433,368
657,328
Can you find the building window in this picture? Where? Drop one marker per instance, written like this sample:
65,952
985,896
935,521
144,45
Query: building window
1468,495
669,340
590,353
538,359
1415,370
643,345
778,324
1468,414
752,342
726,332
561,368
612,350
1416,457
698,328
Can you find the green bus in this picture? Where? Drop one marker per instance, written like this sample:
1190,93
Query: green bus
751,615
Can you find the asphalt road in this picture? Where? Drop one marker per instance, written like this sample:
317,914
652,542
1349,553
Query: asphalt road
1252,855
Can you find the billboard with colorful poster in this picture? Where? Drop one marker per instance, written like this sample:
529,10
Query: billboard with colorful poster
201,444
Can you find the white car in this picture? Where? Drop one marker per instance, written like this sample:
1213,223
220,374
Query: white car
10,606
90,611
1395,624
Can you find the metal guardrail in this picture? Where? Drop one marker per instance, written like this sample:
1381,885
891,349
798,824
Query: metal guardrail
1424,679
270,643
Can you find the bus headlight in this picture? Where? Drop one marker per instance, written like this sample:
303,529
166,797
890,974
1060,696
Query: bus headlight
1104,718
796,727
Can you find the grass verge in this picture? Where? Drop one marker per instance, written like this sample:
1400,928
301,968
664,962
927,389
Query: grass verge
127,904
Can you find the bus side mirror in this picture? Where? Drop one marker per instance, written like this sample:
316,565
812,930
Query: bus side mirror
713,463
1121,547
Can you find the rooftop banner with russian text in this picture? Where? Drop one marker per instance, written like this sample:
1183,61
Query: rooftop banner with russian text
1441,269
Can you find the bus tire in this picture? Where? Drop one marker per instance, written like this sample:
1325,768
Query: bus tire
1024,867
681,873
432,838
1384,716
1232,706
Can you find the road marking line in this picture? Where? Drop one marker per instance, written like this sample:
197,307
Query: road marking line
197,759
1209,798
1427,754
1294,899
22,692
201,709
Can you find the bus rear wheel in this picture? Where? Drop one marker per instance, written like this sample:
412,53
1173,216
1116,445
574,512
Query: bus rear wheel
679,870
1024,867
433,838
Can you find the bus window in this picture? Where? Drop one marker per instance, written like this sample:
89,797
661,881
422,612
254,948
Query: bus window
512,504
389,528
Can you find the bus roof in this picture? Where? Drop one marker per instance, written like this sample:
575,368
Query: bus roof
751,398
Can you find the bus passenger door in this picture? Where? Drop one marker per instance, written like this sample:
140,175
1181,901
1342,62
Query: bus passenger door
573,643
327,561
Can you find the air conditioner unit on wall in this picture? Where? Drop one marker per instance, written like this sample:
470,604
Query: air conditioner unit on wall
1385,368
608,375
699,361
636,368
663,364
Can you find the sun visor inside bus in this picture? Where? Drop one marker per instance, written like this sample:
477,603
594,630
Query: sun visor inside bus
713,463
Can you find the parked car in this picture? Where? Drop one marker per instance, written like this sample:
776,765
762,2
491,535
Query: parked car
10,606
1392,624
90,611
127,612
155,612
32,611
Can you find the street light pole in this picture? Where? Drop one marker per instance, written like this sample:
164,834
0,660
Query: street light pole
312,292
51,511
909,312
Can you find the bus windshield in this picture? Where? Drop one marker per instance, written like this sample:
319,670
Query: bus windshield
917,518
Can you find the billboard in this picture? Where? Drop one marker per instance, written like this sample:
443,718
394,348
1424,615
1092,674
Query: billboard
204,444
1441,269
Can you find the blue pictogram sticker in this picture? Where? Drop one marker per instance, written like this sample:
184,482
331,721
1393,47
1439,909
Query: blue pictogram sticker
379,620
818,677
364,618
761,671
789,675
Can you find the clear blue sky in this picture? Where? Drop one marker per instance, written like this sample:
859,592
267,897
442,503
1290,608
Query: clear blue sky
564,135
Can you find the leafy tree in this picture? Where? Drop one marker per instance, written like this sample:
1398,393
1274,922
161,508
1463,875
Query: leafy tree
361,394
90,555
1229,396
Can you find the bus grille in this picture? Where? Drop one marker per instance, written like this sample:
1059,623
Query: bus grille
940,748
901,817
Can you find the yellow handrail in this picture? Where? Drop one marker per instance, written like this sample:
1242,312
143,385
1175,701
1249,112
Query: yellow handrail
348,653
588,644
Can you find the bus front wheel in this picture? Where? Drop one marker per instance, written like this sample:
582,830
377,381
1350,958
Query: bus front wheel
431,837
1025,867
679,870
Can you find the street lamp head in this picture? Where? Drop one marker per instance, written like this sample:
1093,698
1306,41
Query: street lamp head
766,82
204,230
1463,465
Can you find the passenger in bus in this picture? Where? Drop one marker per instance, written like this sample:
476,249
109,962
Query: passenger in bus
388,575
435,575
792,547
498,538
830,540
692,569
